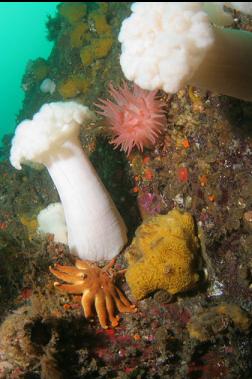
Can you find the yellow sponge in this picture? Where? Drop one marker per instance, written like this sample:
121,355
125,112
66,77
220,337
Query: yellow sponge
72,11
163,255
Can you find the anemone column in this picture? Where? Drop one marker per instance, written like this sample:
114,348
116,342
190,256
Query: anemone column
95,228
227,65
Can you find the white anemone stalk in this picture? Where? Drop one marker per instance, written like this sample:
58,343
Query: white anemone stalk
95,228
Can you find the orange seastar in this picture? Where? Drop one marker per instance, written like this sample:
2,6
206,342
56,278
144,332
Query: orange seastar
98,289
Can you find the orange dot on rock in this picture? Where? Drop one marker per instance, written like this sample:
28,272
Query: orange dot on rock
148,174
183,174
66,306
186,143
136,189
203,180
211,198
137,337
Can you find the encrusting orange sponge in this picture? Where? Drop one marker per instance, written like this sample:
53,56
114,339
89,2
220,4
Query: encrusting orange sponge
163,255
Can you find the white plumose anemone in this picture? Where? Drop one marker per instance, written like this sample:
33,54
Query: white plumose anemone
167,45
164,43
95,228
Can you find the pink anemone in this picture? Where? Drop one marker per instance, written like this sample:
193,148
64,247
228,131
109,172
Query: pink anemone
136,117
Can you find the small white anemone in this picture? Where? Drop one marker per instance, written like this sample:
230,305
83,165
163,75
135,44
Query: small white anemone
47,86
52,220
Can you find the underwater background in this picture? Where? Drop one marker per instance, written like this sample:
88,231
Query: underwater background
23,37
186,200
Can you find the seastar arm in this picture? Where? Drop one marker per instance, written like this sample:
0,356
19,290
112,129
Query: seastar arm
67,269
110,305
100,306
82,265
109,265
121,272
66,277
87,302
123,304
123,298
70,288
